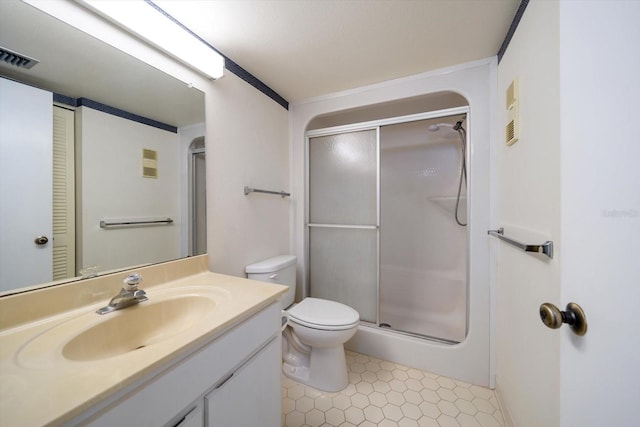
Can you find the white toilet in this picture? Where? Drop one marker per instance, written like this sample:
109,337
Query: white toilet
312,345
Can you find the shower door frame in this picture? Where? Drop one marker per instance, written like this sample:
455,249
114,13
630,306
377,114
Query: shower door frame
376,125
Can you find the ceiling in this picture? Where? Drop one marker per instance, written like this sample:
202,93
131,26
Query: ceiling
307,48
300,48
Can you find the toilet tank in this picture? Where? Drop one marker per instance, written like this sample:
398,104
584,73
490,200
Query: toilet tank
280,270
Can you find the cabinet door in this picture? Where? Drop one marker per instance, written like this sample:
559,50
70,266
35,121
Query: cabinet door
193,419
251,396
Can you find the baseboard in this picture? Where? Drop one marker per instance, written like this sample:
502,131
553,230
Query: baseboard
504,406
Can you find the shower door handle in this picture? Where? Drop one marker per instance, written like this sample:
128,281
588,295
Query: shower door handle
574,316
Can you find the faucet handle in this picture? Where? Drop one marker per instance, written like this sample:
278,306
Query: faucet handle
131,281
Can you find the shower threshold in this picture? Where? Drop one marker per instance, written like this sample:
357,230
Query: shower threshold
388,327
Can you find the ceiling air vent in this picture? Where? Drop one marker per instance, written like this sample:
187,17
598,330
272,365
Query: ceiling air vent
16,59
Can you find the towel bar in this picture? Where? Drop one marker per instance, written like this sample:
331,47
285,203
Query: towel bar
248,190
104,224
545,248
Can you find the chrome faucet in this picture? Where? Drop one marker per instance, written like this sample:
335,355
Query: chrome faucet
128,295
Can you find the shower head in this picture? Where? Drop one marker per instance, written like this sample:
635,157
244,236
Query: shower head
435,128
456,127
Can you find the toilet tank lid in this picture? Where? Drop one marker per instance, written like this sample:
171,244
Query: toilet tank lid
271,264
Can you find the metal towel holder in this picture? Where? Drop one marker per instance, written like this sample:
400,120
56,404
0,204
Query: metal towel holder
248,190
134,222
545,248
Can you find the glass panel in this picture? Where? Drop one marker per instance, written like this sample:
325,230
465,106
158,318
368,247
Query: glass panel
342,178
423,255
343,267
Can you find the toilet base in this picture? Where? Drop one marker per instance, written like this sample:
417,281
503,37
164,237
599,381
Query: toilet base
327,370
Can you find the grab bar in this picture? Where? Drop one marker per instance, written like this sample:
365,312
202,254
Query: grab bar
546,248
248,190
105,224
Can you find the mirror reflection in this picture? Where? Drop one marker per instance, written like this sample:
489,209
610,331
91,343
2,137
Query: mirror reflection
102,157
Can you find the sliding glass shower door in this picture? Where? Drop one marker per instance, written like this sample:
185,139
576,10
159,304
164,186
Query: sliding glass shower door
423,251
343,220
382,231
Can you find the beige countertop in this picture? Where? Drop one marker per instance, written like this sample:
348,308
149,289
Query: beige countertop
40,386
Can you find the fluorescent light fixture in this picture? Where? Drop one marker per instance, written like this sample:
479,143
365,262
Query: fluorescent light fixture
143,19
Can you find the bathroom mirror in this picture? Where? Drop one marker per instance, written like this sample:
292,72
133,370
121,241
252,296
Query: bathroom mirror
76,65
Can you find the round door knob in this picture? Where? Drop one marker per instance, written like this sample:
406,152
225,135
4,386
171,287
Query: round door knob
574,316
550,315
41,240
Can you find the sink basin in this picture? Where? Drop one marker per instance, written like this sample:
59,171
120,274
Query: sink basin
137,327
171,313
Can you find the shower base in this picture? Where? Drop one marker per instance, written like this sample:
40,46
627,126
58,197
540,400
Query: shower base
428,303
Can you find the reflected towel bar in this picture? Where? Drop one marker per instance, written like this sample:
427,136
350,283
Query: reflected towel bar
104,224
546,248
248,190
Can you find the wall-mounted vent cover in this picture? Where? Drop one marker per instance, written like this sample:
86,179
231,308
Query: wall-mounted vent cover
511,132
512,129
149,163
16,59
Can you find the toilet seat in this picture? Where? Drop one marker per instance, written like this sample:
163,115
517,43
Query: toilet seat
324,314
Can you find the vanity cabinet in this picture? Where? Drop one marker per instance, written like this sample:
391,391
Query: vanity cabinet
233,381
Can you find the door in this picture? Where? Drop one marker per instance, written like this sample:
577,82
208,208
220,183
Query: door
600,216
64,210
198,195
26,180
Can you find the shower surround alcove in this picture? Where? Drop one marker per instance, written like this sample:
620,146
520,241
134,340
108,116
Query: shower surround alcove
383,234
409,106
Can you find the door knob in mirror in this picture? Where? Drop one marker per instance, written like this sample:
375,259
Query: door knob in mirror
41,240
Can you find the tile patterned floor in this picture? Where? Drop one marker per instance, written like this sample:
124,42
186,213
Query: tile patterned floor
386,394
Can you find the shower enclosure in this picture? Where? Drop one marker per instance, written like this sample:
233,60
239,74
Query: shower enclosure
382,231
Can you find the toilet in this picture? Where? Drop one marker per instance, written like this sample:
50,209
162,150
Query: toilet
314,330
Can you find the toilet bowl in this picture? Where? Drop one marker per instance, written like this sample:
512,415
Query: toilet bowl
315,331
323,327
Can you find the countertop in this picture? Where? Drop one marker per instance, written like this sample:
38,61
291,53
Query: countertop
39,386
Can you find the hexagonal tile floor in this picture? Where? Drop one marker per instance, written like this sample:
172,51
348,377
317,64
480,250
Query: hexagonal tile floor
382,393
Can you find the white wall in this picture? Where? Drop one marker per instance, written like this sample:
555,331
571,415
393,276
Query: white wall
470,360
247,144
110,186
528,207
